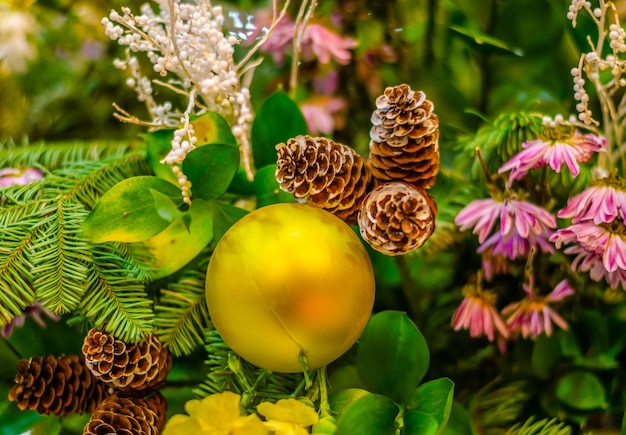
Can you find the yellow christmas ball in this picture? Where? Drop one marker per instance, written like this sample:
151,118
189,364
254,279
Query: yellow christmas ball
290,280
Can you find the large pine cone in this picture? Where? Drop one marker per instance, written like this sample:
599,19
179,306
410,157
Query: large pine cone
128,416
139,366
404,136
327,174
397,218
59,386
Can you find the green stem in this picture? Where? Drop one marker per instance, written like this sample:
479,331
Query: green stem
408,286
322,383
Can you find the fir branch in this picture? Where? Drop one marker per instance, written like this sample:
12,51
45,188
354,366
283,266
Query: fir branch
16,291
52,156
181,316
58,256
500,140
20,213
85,182
541,427
227,372
116,299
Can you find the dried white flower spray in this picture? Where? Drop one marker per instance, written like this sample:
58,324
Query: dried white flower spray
189,50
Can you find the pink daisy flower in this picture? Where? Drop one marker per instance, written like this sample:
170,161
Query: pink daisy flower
590,262
323,43
514,246
522,226
317,41
554,153
533,316
607,242
12,176
35,311
600,204
478,314
493,265
322,113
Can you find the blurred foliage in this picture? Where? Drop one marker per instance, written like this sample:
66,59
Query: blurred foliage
490,70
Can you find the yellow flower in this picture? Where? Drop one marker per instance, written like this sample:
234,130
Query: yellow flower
288,416
285,428
217,414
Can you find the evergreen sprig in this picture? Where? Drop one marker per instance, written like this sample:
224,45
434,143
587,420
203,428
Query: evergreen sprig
60,257
500,140
541,427
15,269
181,315
43,254
227,372
117,300
52,156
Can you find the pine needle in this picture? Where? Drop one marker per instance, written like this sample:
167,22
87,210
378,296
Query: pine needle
541,427
182,314
117,300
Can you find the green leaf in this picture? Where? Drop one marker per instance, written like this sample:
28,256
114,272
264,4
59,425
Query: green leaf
267,189
460,422
435,399
127,212
342,399
546,355
392,356
14,421
178,244
165,207
158,145
486,42
278,119
210,169
224,216
419,423
372,414
240,184
581,390
210,128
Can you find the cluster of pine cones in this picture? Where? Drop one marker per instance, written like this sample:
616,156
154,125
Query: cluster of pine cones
116,381
384,195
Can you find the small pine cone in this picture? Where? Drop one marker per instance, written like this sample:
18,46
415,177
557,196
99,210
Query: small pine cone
139,366
128,416
404,136
397,218
59,386
328,174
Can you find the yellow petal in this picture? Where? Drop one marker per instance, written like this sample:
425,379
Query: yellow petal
285,428
250,425
289,410
218,410
179,424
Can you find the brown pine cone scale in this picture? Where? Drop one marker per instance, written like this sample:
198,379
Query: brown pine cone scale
139,366
59,386
128,416
323,172
397,218
404,137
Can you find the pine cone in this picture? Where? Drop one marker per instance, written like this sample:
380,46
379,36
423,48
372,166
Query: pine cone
139,366
328,174
404,142
397,218
59,386
128,416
